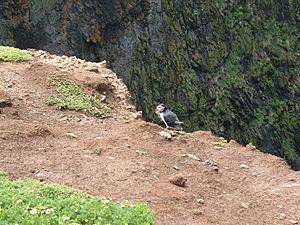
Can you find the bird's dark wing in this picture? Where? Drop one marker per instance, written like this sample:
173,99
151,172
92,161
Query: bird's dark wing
171,119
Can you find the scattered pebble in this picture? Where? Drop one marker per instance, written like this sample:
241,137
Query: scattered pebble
197,212
93,69
200,200
71,135
40,174
245,205
218,147
255,174
293,221
215,168
176,167
190,156
5,100
292,185
165,135
280,216
210,162
244,166
178,180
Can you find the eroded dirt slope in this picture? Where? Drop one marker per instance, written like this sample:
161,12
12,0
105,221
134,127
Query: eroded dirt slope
125,158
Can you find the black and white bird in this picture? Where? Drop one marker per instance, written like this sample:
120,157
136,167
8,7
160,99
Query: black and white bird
169,118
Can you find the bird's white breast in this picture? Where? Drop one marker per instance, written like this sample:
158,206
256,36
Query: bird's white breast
161,115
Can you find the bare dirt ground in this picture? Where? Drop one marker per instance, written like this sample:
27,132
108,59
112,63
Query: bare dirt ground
125,158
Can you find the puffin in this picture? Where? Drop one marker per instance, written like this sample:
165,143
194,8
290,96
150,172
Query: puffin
169,118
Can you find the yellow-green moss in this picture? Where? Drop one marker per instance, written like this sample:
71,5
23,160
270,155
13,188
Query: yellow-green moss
14,54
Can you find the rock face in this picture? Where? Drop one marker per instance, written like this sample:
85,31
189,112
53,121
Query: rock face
228,66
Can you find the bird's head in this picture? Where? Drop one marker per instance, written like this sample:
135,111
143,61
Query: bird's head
160,108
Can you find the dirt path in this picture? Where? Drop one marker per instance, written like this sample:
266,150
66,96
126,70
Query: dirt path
126,159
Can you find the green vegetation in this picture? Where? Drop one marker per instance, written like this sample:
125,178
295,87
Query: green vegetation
256,97
221,142
31,202
70,96
13,54
3,174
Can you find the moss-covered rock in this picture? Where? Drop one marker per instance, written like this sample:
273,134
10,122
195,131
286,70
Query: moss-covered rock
228,66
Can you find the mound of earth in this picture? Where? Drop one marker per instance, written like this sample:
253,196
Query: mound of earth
192,178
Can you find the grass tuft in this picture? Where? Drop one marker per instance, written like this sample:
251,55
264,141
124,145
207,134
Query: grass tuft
14,54
70,96
32,202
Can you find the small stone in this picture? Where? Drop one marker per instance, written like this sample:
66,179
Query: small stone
190,156
197,212
244,166
210,162
292,185
293,221
102,64
178,180
103,98
130,107
200,200
71,135
40,174
218,147
176,167
165,135
5,100
280,216
245,205
255,174
280,206
138,115
94,69
216,169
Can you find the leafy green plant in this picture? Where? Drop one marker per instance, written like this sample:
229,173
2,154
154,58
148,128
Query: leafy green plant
70,96
251,146
13,54
221,142
32,202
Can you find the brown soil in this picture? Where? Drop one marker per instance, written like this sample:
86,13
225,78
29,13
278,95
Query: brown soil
125,158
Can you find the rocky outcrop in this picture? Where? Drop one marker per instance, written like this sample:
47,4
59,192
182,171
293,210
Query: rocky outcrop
228,66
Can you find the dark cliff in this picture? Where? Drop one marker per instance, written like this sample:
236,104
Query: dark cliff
229,66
